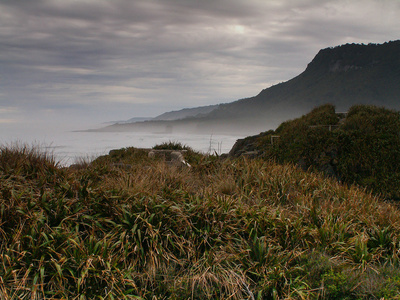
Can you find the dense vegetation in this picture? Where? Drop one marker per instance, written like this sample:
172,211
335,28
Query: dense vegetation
362,147
129,227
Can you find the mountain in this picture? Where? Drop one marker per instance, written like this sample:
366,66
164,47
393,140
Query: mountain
131,120
344,76
186,113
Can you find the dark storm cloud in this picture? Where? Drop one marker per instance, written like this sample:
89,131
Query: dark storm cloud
153,56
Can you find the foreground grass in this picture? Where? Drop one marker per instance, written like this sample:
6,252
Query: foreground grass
126,227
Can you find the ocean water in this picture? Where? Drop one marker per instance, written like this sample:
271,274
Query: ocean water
68,146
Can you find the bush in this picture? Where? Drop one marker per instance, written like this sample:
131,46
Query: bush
363,148
172,146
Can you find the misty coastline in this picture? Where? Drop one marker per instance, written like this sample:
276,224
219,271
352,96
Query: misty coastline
343,76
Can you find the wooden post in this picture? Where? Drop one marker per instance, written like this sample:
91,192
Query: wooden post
274,137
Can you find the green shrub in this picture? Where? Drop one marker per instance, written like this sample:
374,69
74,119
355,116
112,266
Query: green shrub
363,148
171,146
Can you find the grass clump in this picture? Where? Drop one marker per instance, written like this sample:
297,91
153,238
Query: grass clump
223,229
172,146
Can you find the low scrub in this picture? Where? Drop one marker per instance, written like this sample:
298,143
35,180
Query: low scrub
361,148
222,229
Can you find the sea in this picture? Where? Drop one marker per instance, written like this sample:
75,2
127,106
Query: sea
69,146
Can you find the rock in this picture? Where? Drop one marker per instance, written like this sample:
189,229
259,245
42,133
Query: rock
171,157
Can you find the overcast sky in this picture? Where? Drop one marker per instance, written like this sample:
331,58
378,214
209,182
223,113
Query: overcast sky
98,60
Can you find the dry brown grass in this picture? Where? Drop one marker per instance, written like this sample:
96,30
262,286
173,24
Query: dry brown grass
227,229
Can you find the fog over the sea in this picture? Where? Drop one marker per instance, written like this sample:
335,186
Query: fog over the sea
79,63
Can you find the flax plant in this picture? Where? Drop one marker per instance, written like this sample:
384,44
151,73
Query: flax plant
125,226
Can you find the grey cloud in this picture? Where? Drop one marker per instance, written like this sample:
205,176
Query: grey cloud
170,53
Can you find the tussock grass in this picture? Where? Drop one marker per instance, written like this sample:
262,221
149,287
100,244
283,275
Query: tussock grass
223,229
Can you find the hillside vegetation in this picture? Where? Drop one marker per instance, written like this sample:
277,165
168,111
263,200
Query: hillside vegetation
129,227
361,146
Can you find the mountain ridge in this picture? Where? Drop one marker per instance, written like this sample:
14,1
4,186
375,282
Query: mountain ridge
344,75
185,113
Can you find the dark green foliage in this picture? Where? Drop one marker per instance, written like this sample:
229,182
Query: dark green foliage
171,146
309,140
369,149
319,116
123,155
362,148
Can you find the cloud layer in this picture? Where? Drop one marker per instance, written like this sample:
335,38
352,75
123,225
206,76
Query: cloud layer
106,60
